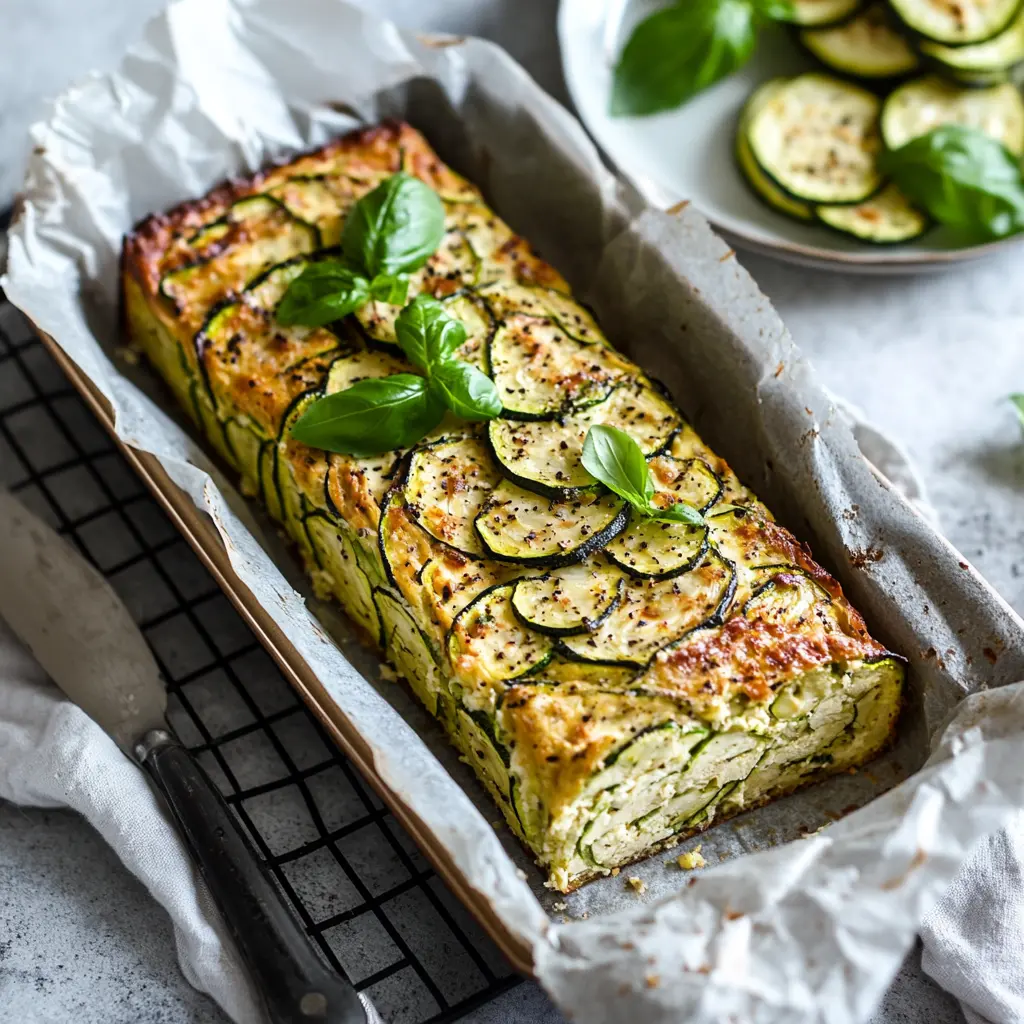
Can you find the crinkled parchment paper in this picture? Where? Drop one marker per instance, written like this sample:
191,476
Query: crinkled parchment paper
798,928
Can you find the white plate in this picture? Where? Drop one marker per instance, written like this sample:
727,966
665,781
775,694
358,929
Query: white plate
687,154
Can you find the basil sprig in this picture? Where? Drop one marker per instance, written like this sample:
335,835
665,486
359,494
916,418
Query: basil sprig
676,52
387,234
386,413
612,457
964,178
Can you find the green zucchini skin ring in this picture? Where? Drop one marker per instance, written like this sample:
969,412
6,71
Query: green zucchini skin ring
588,626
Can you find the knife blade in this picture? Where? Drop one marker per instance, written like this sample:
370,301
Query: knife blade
74,623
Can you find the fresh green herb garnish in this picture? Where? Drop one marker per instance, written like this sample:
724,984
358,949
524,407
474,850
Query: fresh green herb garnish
613,458
388,233
372,416
964,178
677,52
385,413
1018,405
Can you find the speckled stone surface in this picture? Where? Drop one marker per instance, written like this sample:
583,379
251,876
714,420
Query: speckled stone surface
929,359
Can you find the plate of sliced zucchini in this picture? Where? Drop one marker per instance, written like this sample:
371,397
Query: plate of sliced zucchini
785,154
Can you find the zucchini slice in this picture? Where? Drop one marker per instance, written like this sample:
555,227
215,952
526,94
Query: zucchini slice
925,103
487,636
408,648
541,372
520,526
544,455
817,138
966,21
447,484
655,613
763,186
866,46
336,555
997,55
573,600
787,598
651,549
256,233
885,219
821,12
505,299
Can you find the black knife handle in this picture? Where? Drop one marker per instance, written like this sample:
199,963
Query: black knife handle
283,964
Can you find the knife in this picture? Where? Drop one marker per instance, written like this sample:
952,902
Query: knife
74,623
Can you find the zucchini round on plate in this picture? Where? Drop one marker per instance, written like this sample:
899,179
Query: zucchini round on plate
865,46
544,455
821,12
959,23
885,219
919,106
762,185
817,138
995,56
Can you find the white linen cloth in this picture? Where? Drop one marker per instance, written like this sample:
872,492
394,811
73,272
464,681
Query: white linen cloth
52,755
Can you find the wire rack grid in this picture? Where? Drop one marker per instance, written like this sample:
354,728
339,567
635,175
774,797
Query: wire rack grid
363,891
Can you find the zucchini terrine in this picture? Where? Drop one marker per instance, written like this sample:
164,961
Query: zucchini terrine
617,683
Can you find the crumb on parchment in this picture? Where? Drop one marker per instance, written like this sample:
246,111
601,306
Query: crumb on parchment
652,980
388,674
636,884
560,906
615,872
691,861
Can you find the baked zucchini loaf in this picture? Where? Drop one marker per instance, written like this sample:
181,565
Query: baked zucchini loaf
616,683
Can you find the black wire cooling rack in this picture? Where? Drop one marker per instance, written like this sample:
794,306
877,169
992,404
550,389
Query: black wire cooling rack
358,883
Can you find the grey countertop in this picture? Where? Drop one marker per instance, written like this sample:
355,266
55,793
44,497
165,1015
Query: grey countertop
929,359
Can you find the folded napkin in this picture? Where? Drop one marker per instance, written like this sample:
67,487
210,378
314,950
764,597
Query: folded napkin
52,755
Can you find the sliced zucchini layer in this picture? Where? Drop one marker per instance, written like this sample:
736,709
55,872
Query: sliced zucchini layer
866,46
544,455
651,549
488,644
762,185
542,372
919,106
506,299
822,12
409,648
447,485
997,55
573,600
965,21
817,138
256,233
885,219
520,526
653,614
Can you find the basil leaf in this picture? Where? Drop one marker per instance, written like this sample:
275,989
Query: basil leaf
612,457
677,52
963,178
392,289
680,512
469,393
395,228
1018,405
372,416
427,334
324,291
